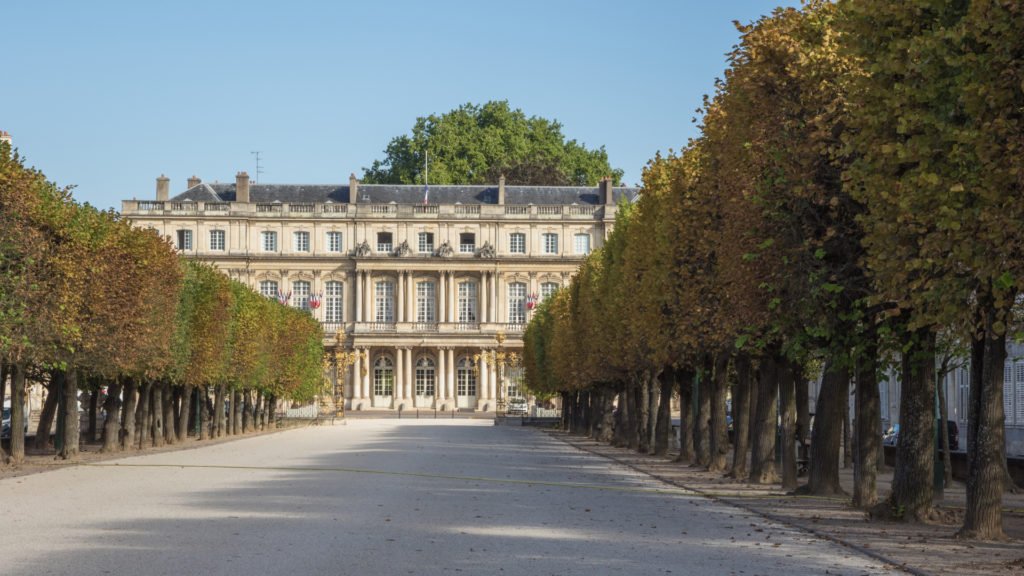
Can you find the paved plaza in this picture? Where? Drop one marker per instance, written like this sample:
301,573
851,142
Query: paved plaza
389,497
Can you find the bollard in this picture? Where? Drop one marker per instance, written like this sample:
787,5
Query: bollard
453,413
417,413
399,411
435,412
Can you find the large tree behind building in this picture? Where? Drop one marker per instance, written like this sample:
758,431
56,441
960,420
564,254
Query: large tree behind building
476,144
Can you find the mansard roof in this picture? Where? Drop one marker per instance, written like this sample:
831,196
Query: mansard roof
402,194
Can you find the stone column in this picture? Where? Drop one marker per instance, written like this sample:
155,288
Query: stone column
485,378
410,299
411,375
481,295
452,298
451,375
370,296
356,380
492,385
358,302
495,306
441,296
365,376
439,384
400,297
398,391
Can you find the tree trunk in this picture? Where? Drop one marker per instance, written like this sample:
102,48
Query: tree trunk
719,431
246,407
947,459
236,407
17,414
986,442
803,414
653,396
762,458
167,395
72,424
741,417
112,423
146,415
273,410
204,413
45,423
702,423
631,415
823,469
94,408
596,412
158,414
187,395
219,417
131,405
644,404
911,497
685,379
787,436
847,433
663,428
869,431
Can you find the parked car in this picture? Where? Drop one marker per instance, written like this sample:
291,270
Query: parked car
892,437
5,428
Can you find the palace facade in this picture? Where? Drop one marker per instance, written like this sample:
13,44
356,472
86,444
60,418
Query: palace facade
430,287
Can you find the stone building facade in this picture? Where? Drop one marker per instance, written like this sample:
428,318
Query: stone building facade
422,282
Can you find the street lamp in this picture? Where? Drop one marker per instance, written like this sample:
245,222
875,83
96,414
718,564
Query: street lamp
339,359
500,359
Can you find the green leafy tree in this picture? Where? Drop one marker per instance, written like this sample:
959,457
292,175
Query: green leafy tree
476,144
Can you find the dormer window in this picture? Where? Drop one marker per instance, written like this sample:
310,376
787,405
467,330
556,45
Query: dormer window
385,243
467,242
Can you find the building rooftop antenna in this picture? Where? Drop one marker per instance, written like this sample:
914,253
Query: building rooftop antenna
259,166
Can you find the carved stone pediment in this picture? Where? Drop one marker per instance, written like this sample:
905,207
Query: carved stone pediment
363,249
445,250
487,251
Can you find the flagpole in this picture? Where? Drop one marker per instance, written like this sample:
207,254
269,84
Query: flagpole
426,174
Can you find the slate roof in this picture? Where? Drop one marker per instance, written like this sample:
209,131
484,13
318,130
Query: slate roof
402,194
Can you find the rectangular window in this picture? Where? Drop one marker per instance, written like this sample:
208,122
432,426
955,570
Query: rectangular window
334,241
332,302
581,244
426,242
268,288
384,242
517,303
547,289
425,302
300,293
466,382
268,240
301,241
467,243
385,300
517,243
550,240
217,240
467,302
184,239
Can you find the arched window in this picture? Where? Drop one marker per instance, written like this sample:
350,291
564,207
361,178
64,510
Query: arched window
547,289
333,301
268,288
383,376
466,378
425,376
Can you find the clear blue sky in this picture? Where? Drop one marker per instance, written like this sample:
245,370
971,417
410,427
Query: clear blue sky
109,95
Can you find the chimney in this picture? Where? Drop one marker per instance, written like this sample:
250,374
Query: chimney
605,188
242,187
353,189
163,188
194,181
5,136
501,190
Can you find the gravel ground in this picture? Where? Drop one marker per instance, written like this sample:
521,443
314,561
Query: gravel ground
390,497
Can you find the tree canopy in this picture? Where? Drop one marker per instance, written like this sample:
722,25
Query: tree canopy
477,144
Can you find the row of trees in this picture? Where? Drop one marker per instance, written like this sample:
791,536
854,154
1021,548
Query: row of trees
89,303
853,201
